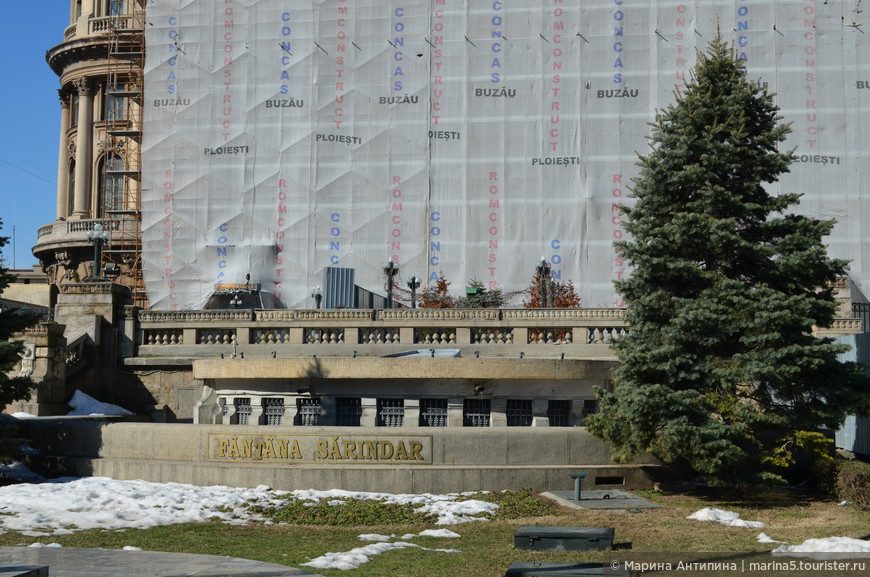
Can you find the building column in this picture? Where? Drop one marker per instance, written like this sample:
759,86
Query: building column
83,148
63,158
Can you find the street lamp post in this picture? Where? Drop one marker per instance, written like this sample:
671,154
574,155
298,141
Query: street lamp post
97,236
317,296
542,267
391,269
413,284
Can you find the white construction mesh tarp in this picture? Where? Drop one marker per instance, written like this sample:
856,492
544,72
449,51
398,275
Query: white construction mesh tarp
458,137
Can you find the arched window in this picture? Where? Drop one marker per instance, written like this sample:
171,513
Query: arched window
112,184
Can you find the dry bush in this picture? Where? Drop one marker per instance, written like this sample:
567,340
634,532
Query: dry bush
853,483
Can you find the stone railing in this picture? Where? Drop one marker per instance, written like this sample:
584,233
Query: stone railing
371,332
44,329
340,332
73,226
105,24
89,288
78,229
841,327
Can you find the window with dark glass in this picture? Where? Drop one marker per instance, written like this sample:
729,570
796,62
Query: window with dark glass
558,412
71,189
115,103
112,183
74,110
348,411
433,412
519,412
590,406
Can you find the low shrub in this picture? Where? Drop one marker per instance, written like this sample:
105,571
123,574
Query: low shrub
853,483
517,504
351,512
823,475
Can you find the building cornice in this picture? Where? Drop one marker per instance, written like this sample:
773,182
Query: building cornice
63,55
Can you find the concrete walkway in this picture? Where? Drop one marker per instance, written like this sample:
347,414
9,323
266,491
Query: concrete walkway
600,499
66,562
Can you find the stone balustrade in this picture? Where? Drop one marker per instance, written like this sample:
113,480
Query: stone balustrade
841,327
575,333
104,24
342,332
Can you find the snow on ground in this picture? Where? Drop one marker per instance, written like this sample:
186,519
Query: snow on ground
356,557
828,545
62,506
729,518
446,508
83,404
18,472
442,533
41,508
763,538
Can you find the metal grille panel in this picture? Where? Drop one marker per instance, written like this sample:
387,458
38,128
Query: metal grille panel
243,410
308,412
475,412
273,409
391,412
433,412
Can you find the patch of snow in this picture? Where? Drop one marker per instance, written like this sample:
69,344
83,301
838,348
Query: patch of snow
441,533
18,472
355,557
374,537
762,538
446,508
65,505
729,518
54,545
445,533
83,405
828,545
131,548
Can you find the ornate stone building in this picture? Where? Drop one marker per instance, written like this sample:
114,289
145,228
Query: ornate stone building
522,379
100,65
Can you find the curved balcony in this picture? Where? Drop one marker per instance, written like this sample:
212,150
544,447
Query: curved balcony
94,43
73,234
